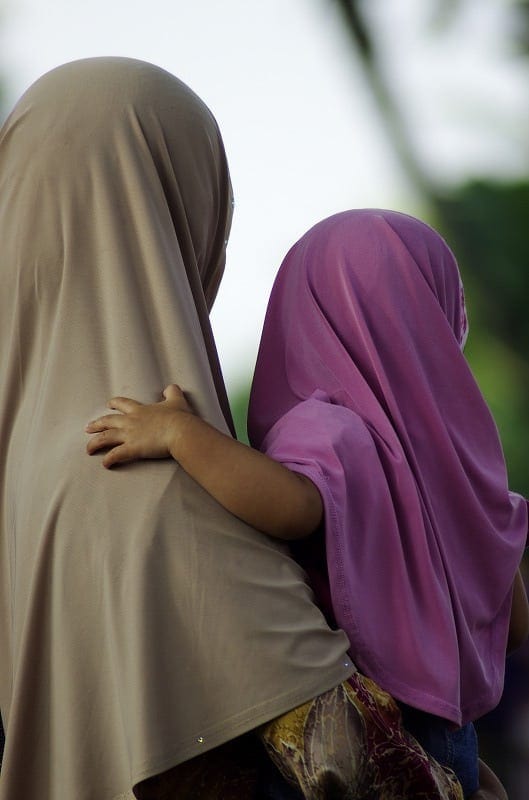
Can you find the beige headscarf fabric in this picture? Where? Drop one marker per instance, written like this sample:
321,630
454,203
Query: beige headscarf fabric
141,624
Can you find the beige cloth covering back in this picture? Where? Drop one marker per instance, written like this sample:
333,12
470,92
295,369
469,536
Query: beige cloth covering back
141,624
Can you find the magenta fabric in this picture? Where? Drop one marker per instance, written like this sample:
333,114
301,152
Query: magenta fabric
362,386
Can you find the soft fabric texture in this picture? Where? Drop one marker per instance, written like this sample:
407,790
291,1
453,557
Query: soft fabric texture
361,385
141,623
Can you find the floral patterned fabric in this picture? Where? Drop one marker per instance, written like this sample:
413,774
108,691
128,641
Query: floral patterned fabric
349,743
346,744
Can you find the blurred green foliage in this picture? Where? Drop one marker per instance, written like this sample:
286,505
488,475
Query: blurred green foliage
239,410
485,222
488,225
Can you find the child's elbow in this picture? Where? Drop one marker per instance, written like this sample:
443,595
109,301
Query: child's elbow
304,514
310,512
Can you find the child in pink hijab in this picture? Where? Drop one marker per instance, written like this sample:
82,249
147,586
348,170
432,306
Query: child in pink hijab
361,386
381,459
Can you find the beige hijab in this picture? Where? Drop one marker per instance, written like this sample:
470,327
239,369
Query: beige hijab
141,623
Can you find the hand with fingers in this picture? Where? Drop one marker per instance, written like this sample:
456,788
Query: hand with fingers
249,484
139,430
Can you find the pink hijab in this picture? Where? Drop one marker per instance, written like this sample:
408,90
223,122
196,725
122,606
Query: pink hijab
362,386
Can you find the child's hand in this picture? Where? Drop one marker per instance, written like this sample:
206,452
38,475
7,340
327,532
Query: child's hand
140,431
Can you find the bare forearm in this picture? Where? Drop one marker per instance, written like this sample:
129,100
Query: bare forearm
247,483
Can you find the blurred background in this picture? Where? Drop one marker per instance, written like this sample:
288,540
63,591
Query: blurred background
417,105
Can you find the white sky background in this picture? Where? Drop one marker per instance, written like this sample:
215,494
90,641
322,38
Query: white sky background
303,135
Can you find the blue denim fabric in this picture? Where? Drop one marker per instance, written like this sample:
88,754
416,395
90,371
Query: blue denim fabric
456,749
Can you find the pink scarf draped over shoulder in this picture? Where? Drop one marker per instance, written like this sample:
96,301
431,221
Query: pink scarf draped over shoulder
362,386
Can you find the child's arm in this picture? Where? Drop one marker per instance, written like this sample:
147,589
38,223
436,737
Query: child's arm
247,483
519,623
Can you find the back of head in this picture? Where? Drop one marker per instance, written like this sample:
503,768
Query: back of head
115,206
365,289
103,114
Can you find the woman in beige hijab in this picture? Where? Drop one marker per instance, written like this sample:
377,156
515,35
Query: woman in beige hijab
142,624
